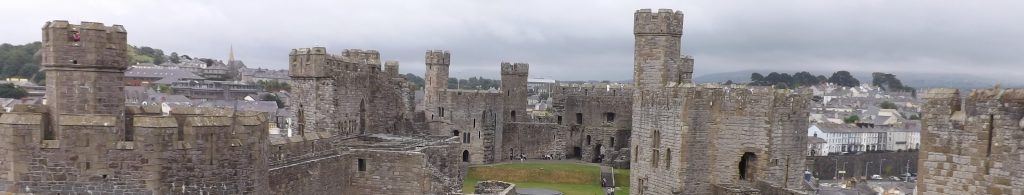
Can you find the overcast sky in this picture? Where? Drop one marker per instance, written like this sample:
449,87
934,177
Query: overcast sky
567,40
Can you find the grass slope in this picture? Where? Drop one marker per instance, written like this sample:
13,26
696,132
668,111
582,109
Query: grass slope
569,178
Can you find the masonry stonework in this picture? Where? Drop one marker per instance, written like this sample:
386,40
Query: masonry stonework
972,145
689,139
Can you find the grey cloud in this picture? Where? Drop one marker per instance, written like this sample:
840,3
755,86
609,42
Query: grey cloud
572,40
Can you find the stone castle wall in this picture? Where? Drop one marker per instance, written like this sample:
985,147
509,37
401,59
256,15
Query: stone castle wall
718,126
689,139
970,146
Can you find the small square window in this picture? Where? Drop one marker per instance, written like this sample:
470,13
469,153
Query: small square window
362,164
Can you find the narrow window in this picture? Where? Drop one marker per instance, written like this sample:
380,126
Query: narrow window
588,140
612,142
654,158
579,118
129,127
474,123
181,126
513,116
668,158
559,119
362,164
609,117
48,133
656,139
991,133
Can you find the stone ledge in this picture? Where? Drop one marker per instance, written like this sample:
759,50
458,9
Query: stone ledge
49,144
125,145
88,120
21,118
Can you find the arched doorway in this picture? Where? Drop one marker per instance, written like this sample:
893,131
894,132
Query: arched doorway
747,166
465,156
597,154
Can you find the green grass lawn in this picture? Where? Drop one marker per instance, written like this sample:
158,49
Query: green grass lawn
569,178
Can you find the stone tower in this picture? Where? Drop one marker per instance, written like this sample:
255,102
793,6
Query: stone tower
437,76
391,67
312,89
657,57
85,67
513,84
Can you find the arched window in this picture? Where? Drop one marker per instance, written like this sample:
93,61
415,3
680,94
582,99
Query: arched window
588,139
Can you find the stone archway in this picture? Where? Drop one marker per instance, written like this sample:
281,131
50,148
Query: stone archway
597,154
747,166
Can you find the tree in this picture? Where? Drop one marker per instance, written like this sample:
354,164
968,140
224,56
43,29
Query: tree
175,58
8,90
843,78
887,105
728,82
417,80
851,119
272,97
888,82
756,77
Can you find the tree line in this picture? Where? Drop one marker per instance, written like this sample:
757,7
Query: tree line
457,83
886,81
802,79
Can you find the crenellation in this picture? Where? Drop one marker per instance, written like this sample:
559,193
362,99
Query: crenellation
971,139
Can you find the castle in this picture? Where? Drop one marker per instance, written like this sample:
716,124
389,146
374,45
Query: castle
353,137
356,130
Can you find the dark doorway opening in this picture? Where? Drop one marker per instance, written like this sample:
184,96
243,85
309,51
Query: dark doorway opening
597,154
465,156
577,153
746,166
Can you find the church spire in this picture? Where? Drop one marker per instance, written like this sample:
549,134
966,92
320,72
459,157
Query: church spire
231,54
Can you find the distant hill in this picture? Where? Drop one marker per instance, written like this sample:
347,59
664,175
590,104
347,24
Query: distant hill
916,80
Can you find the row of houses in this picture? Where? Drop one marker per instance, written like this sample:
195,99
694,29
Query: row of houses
830,139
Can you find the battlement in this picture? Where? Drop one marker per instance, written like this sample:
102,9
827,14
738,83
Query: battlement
358,56
517,68
89,45
438,57
308,62
391,67
665,22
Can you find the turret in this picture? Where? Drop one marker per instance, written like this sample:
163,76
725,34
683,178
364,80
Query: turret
364,58
657,58
391,67
84,67
437,75
513,84
308,63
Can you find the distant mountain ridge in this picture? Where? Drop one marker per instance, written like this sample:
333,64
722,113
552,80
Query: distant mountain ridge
912,79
